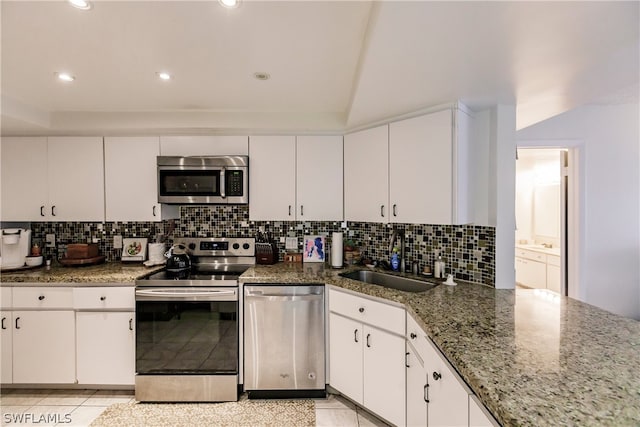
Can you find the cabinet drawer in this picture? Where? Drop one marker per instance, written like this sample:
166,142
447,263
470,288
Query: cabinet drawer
553,260
105,298
368,311
417,337
42,298
5,298
532,255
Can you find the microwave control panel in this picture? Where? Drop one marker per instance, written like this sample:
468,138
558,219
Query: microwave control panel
234,183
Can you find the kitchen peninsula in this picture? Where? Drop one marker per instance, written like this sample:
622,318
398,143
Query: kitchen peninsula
531,361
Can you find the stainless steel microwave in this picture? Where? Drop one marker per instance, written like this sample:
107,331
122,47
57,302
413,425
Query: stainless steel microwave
203,180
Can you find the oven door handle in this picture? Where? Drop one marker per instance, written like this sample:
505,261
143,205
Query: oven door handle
186,295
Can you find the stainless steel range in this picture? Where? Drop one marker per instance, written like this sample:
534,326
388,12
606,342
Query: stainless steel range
187,345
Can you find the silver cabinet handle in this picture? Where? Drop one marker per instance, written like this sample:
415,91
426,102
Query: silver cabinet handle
437,376
17,318
355,335
289,210
406,360
361,309
53,210
103,298
368,336
3,319
413,336
395,213
131,324
382,211
425,393
154,210
301,210
41,297
42,210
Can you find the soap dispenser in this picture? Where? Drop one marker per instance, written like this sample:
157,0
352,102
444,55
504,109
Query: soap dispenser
395,259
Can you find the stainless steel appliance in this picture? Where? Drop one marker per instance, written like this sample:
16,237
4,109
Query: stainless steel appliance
203,179
284,341
187,347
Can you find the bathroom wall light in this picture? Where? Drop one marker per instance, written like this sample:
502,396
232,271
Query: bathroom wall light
230,4
80,4
65,77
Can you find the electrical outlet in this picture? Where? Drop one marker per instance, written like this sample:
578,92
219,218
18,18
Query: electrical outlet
291,243
50,240
117,242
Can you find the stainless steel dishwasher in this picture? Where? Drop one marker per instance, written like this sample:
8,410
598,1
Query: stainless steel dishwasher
284,339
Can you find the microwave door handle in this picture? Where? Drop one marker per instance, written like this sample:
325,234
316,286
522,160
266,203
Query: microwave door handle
223,173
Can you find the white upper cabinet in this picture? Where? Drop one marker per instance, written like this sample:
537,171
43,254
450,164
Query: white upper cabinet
295,178
52,179
76,178
131,186
366,175
319,178
24,179
204,145
410,171
272,178
428,169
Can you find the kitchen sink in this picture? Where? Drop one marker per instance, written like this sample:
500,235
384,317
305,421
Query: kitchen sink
389,281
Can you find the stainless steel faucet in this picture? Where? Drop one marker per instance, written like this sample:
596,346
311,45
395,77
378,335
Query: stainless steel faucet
399,236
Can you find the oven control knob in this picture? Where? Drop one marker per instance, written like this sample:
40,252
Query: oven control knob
245,246
236,246
192,246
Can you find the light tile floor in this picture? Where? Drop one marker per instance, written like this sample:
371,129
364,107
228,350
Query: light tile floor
35,407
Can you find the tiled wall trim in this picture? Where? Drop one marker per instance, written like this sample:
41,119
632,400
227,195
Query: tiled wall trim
468,250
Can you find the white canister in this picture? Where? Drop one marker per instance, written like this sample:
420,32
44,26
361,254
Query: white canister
336,250
156,251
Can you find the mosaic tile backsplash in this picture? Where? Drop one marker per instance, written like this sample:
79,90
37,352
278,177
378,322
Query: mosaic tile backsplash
468,250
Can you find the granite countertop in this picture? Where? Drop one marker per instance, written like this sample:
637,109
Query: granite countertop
111,273
531,360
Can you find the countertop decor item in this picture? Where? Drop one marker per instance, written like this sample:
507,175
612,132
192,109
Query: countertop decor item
314,249
81,250
134,249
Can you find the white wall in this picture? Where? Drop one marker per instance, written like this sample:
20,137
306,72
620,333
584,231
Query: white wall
610,188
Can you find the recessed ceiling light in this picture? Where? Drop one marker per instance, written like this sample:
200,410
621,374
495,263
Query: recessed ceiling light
261,76
230,4
80,4
65,77
163,75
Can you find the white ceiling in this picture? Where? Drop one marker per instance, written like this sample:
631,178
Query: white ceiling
334,65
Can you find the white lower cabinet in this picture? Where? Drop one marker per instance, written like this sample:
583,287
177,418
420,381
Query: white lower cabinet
105,348
44,347
6,349
436,395
366,363
105,335
478,415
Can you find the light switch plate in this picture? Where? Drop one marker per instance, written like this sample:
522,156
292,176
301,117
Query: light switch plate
117,242
291,243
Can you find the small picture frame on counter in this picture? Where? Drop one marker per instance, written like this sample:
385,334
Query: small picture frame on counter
315,249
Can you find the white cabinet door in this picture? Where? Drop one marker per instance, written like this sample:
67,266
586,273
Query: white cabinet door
131,183
421,169
345,356
319,187
6,352
105,348
366,175
76,178
553,278
448,398
211,145
531,273
384,374
416,389
43,347
272,178
24,179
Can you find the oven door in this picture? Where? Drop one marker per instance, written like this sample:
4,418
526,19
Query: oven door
186,344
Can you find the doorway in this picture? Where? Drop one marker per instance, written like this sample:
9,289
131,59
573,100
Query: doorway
542,186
